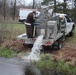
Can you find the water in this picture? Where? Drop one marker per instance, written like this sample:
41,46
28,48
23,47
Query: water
35,53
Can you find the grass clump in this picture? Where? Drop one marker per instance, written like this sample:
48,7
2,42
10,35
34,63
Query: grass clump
49,66
8,53
9,31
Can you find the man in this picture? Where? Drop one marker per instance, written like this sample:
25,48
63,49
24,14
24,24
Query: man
29,24
63,26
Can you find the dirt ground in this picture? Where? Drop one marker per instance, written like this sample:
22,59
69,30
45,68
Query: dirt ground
68,51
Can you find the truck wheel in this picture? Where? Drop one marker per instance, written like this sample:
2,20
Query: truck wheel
29,45
59,44
24,45
72,32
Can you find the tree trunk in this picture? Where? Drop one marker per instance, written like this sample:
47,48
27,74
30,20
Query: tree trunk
75,8
33,4
64,7
14,10
4,9
55,9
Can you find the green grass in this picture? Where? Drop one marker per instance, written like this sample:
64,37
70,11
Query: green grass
8,53
12,30
71,40
49,66
19,28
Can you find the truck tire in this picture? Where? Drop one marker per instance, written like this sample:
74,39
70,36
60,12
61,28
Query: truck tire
72,32
24,45
29,45
59,44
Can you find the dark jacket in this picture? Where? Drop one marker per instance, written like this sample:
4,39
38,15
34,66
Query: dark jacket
30,19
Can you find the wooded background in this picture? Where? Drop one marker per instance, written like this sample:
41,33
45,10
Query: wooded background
10,8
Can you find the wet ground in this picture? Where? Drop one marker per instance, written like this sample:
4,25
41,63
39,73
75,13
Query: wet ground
12,66
66,53
17,66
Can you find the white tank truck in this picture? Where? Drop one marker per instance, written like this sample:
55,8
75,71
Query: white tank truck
54,27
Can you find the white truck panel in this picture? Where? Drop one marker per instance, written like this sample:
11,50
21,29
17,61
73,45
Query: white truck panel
24,12
24,34
50,25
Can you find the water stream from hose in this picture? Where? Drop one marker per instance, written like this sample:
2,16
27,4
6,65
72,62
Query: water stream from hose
35,53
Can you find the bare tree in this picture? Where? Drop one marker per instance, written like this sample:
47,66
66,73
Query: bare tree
22,3
55,9
0,4
14,10
75,8
64,6
4,7
33,4
46,1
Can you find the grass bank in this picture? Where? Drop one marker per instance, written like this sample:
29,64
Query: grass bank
73,38
49,66
8,53
8,35
71,41
11,30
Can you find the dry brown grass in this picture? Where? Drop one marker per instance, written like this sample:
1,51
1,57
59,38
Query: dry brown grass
14,45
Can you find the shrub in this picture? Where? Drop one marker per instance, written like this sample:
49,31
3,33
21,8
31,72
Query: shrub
48,66
4,52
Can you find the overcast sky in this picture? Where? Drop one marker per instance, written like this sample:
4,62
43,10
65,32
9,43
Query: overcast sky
37,1
30,1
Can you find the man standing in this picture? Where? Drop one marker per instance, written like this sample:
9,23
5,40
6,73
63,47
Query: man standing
29,24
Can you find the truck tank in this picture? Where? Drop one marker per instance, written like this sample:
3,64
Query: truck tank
46,25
